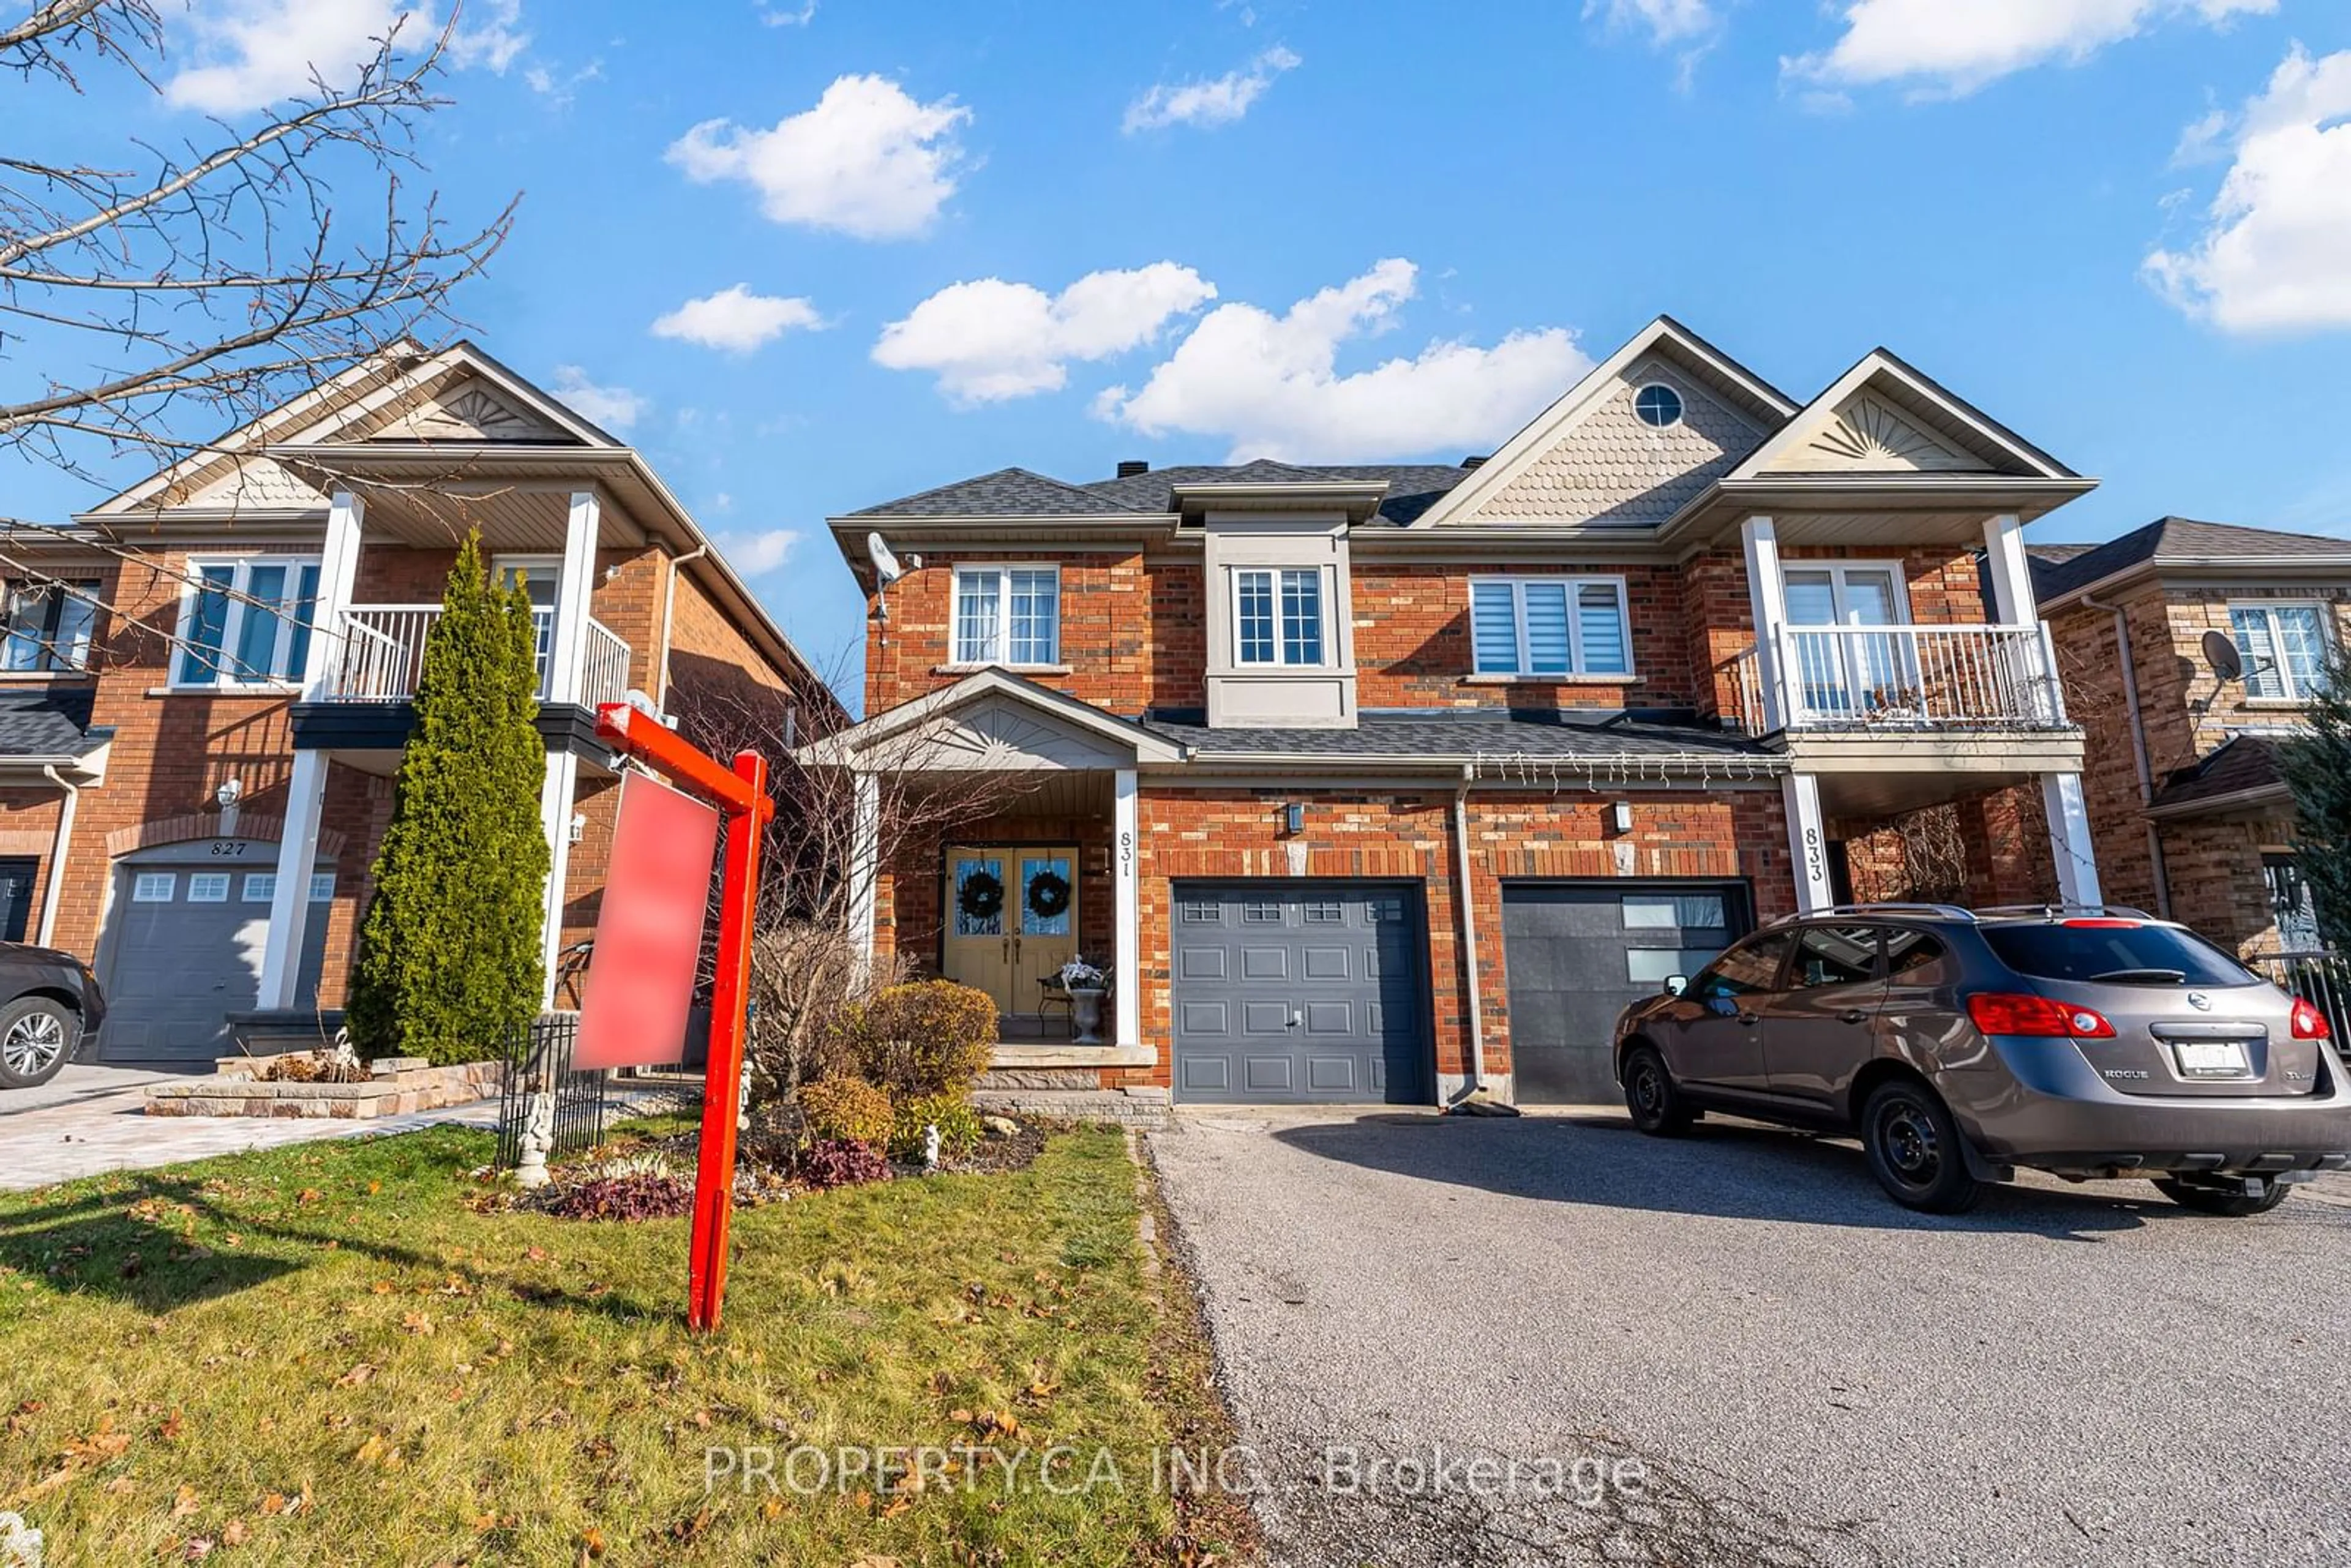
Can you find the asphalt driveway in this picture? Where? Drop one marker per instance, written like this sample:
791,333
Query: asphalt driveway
1798,1371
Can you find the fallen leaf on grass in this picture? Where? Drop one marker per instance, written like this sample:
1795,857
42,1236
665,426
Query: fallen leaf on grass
308,1194
184,1503
417,1323
103,1443
273,1503
382,1286
235,1532
379,1452
356,1375
591,1542
170,1430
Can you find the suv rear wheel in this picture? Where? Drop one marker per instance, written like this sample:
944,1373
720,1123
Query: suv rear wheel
2228,1205
36,1035
1656,1105
1914,1150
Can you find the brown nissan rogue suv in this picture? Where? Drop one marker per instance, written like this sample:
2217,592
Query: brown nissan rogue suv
1961,1044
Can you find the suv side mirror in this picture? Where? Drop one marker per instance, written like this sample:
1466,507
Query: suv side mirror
1676,984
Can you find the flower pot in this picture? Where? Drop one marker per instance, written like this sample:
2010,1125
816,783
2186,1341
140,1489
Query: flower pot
1085,1013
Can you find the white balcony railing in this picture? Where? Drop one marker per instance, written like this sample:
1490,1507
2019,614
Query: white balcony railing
1905,677
382,653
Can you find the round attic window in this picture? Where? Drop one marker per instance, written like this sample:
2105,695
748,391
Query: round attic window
1658,406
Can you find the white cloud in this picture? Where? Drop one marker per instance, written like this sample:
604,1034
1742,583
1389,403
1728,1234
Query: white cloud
787,15
1217,101
735,319
1946,49
256,52
988,340
867,160
1665,21
755,554
492,36
1270,384
2272,255
614,408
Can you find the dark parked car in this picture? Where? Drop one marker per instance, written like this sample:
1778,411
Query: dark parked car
52,1006
1959,1045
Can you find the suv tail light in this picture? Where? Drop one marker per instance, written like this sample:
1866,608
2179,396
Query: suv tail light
2309,1023
2018,1012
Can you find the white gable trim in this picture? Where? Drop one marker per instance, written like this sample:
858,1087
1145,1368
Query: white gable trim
1130,742
1522,450
1877,366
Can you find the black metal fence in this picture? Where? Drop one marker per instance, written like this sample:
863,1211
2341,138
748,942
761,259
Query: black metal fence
538,1059
2324,979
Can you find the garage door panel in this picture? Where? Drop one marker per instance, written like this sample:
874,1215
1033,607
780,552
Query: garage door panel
1207,1074
1323,981
1576,954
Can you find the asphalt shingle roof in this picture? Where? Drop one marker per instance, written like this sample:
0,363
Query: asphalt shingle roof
54,722
1413,488
2174,540
1502,735
2242,762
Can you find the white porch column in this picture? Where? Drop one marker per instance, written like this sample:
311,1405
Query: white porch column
2069,838
1767,599
2012,600
338,567
297,851
566,644
864,863
555,821
1808,841
1126,994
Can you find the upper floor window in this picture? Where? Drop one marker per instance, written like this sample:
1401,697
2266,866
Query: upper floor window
1278,615
1549,626
2284,649
1008,615
49,626
246,621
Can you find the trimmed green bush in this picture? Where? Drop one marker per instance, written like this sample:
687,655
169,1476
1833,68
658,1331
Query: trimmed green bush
958,1126
931,1036
847,1110
449,961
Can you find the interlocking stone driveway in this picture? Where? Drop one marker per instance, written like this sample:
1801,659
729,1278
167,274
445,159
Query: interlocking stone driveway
1806,1373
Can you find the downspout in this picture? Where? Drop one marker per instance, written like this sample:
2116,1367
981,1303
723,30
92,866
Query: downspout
669,608
63,841
1461,894
2138,751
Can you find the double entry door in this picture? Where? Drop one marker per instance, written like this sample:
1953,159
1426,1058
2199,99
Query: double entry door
1011,920
1850,672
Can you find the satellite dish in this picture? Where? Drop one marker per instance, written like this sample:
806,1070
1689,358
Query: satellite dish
2221,652
885,562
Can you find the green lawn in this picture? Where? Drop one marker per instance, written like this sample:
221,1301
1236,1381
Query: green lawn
324,1354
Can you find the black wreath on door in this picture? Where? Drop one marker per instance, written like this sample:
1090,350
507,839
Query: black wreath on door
1049,894
981,896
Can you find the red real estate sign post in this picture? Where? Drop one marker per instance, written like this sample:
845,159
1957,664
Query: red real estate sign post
742,793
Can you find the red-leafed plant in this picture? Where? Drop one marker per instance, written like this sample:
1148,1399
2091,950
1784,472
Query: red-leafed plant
840,1161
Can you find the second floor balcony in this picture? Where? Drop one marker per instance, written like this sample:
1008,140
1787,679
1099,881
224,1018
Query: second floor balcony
378,653
1898,678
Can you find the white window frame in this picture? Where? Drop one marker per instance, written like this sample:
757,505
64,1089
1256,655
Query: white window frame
240,591
52,655
258,887
1837,570
1326,636
1577,666
208,887
2290,689
322,887
1000,653
165,884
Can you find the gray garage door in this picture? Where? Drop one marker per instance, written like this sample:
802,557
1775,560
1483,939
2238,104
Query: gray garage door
185,937
1288,991
1576,954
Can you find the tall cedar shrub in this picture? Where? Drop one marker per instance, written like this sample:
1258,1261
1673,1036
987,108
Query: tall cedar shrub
449,960
2318,768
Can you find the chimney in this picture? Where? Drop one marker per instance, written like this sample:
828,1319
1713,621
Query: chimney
1473,462
1133,467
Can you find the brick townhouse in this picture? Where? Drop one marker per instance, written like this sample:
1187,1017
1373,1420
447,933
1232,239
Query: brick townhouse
2190,812
203,691
1383,782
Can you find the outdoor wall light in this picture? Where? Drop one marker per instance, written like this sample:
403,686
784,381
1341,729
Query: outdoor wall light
579,826
1620,816
1293,818
230,793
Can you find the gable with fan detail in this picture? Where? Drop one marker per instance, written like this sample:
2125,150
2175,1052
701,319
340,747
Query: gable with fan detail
1884,418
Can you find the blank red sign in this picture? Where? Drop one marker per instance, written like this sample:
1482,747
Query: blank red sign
633,1010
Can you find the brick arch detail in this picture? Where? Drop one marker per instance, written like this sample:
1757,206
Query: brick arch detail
157,831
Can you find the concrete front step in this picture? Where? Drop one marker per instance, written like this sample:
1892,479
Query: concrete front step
1133,1107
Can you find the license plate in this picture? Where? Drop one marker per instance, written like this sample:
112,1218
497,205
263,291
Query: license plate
2212,1058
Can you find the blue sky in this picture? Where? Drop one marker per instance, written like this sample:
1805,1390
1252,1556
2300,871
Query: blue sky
2122,226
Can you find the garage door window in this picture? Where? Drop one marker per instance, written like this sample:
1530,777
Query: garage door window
260,887
322,887
208,887
153,887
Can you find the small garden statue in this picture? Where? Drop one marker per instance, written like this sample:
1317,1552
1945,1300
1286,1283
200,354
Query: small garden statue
538,1140
1087,984
931,1148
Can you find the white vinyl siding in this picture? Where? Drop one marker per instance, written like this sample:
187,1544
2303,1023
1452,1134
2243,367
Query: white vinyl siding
1278,616
1542,626
1008,615
2284,649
